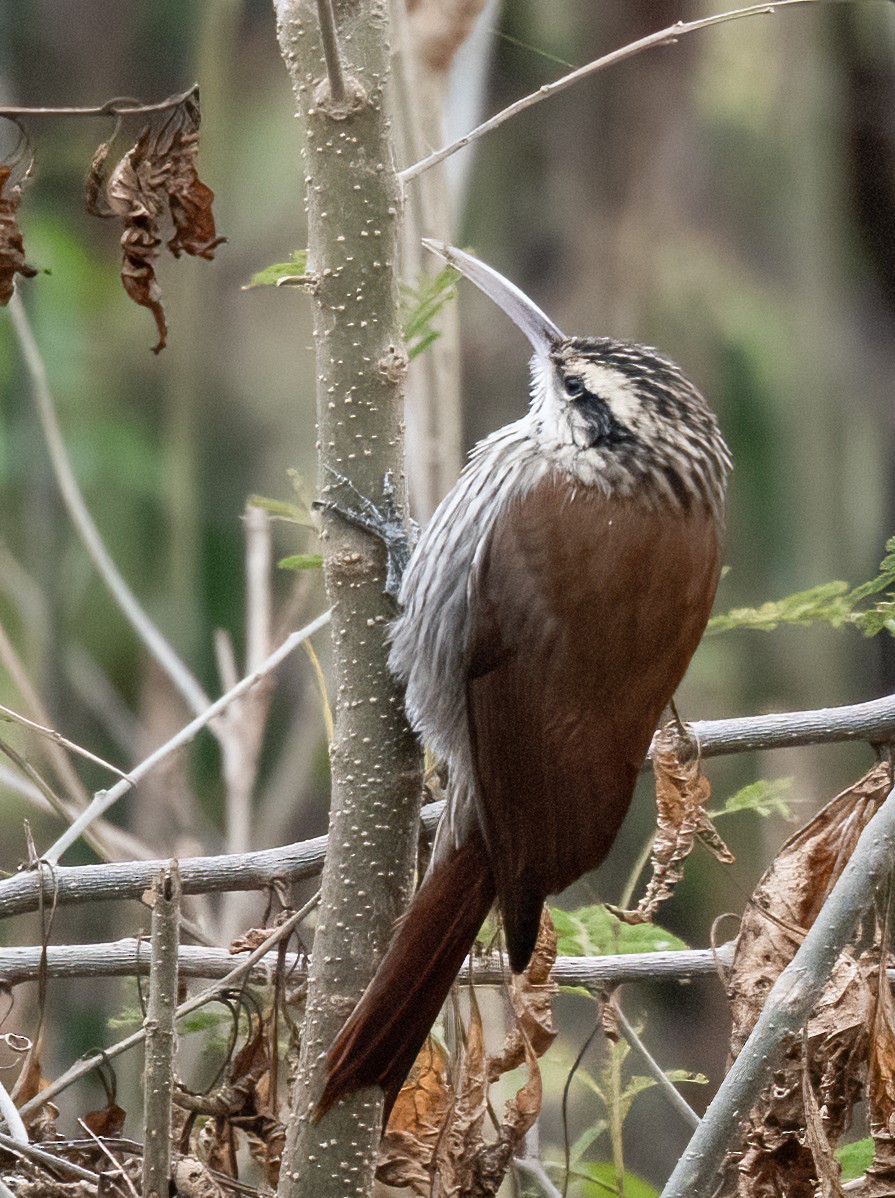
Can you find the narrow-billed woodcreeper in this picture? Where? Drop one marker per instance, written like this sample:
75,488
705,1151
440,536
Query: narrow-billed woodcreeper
549,611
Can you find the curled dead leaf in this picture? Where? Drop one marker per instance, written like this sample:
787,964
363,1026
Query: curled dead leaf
154,183
12,248
682,792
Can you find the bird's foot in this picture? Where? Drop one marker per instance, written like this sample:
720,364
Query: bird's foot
384,522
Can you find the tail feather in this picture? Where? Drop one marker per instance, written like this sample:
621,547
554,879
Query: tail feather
380,1041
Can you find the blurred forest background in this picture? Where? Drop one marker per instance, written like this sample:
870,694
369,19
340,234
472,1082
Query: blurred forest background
730,199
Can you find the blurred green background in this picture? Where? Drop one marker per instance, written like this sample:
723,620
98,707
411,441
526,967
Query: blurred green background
730,199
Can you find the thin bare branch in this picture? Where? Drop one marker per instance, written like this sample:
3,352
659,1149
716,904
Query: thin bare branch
6,713
42,1157
10,1114
655,1070
104,799
330,42
116,107
787,1006
664,37
152,639
236,975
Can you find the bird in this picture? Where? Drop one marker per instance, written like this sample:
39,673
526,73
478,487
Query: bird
548,612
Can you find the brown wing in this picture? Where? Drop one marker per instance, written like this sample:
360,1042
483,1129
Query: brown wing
586,612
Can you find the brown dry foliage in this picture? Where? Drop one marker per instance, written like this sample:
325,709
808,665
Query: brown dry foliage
154,183
435,1140
787,1147
12,248
682,792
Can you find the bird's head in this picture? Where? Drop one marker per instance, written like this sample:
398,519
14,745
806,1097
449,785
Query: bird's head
614,413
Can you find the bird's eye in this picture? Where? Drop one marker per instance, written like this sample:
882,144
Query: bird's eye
574,386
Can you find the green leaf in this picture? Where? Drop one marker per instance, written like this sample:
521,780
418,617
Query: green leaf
855,1158
278,507
598,1179
301,561
421,304
764,797
274,276
827,603
586,1140
595,932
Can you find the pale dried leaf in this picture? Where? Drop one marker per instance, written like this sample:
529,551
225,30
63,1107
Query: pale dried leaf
531,996
682,792
790,893
407,1152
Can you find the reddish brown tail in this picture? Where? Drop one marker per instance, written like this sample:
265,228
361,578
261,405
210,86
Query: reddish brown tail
381,1039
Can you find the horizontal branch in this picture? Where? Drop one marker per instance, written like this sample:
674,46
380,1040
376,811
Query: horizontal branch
70,884
117,107
130,956
873,721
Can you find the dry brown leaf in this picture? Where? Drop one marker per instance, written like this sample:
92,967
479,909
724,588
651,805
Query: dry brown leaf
880,1177
156,182
459,1145
531,996
108,1122
407,1151
790,893
682,791
12,248
787,1145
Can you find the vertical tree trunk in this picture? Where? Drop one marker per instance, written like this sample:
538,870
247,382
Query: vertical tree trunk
353,216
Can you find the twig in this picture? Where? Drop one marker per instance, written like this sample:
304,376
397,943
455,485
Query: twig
532,1167
129,956
787,1006
655,1070
33,1153
152,639
10,1114
104,799
664,37
6,713
158,1078
88,1064
117,107
330,42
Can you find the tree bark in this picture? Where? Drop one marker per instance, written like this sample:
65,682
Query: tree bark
353,200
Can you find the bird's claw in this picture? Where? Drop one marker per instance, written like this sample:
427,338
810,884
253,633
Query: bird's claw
384,523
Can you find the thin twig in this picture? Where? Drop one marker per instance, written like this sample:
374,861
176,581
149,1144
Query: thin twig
6,713
161,1041
789,1003
104,799
10,1114
42,1157
656,1072
88,1064
116,107
155,643
330,42
664,37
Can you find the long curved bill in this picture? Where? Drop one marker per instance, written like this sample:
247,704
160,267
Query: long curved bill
527,316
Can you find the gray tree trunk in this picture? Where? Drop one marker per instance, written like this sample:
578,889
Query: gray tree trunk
353,218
